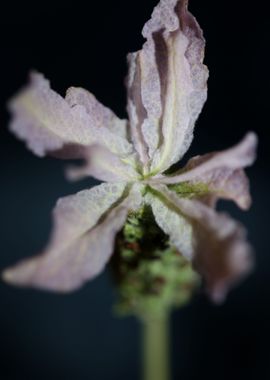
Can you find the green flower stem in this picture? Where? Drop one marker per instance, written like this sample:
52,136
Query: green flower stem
156,353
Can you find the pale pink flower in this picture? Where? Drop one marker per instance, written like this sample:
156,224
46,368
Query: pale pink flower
166,87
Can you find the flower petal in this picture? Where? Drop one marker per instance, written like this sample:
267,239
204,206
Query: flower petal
100,162
173,224
103,165
100,115
221,253
136,110
173,88
222,172
82,241
47,122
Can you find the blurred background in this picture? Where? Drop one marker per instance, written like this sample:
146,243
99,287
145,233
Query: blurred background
48,336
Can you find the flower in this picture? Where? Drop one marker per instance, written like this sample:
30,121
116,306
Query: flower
166,88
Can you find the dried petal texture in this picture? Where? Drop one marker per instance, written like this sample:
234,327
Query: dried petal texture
47,122
136,111
173,53
103,165
100,115
222,172
173,224
85,225
166,84
100,162
221,253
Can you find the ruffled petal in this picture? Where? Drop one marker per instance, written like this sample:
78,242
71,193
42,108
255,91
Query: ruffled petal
167,83
85,226
221,172
100,115
221,253
48,123
173,224
104,166
136,110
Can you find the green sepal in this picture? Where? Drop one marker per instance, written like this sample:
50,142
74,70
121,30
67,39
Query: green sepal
190,190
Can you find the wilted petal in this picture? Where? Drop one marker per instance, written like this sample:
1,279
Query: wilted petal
100,162
167,84
100,115
103,165
48,123
221,253
136,110
223,259
222,172
179,53
226,184
173,224
85,225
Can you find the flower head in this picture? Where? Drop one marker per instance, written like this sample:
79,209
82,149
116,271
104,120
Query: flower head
166,87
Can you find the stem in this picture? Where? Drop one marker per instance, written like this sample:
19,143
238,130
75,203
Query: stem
156,349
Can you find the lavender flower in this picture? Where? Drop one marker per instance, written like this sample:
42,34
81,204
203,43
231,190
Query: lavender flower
166,88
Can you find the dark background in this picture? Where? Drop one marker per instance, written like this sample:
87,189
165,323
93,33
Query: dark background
47,336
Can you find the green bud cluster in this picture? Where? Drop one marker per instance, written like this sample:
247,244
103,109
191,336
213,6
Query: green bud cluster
152,276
